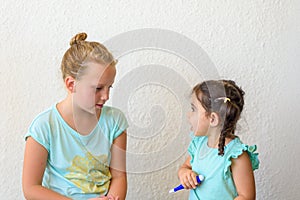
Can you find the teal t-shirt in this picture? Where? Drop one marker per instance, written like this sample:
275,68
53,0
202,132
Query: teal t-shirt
77,165
218,182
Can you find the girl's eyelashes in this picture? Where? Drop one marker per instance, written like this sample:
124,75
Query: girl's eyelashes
101,87
193,108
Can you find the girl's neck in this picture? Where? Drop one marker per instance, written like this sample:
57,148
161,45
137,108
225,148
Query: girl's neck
79,120
213,137
213,140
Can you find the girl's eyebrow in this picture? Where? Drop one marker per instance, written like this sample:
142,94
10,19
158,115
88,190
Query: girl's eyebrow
100,84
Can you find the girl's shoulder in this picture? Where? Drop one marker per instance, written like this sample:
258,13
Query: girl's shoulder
113,111
197,141
235,148
44,116
195,144
112,114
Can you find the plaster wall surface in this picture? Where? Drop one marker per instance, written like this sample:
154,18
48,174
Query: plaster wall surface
256,43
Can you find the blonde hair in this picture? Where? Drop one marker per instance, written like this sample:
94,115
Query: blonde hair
74,60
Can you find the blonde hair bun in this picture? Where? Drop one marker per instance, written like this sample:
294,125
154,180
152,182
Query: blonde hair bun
77,38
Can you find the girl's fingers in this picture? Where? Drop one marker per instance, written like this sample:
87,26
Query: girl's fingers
188,184
195,180
185,183
191,181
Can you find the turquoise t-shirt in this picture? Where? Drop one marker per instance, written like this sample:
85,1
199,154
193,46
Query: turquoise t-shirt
77,165
218,182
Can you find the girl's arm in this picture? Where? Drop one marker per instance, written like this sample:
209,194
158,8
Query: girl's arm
243,177
118,185
35,160
187,176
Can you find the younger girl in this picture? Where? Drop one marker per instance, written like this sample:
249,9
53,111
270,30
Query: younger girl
215,152
76,148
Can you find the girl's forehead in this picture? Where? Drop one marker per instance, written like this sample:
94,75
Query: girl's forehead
95,69
96,72
195,99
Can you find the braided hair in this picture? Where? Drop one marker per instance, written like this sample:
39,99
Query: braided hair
224,98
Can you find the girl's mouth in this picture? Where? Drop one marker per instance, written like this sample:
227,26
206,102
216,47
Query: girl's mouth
99,105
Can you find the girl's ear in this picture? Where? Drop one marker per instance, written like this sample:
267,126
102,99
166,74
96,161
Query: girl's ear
70,84
214,119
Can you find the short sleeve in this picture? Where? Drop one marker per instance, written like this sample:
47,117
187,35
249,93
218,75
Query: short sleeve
39,131
253,156
236,152
120,123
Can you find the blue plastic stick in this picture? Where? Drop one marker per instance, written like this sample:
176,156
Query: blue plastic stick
199,178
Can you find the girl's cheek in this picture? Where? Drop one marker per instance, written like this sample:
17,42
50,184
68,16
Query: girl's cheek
188,115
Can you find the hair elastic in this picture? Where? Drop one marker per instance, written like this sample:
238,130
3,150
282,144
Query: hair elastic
225,99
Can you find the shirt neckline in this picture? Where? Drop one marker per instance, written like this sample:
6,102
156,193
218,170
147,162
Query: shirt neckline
74,131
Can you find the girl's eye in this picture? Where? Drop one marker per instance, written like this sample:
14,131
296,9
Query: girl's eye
101,88
193,109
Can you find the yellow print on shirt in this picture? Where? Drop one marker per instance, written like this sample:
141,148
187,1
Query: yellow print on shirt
90,173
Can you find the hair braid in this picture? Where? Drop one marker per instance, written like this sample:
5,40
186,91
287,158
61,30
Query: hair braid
228,128
232,114
213,96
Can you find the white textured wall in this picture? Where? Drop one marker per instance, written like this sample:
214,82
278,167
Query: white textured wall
255,43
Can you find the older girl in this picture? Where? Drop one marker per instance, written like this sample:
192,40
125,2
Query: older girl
76,148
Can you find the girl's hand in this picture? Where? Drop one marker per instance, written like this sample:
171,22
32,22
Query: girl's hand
188,179
108,197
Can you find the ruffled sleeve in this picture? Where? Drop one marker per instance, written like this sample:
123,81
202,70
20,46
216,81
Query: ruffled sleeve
253,156
236,151
194,144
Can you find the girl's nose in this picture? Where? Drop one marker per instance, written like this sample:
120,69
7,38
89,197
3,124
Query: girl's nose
105,95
